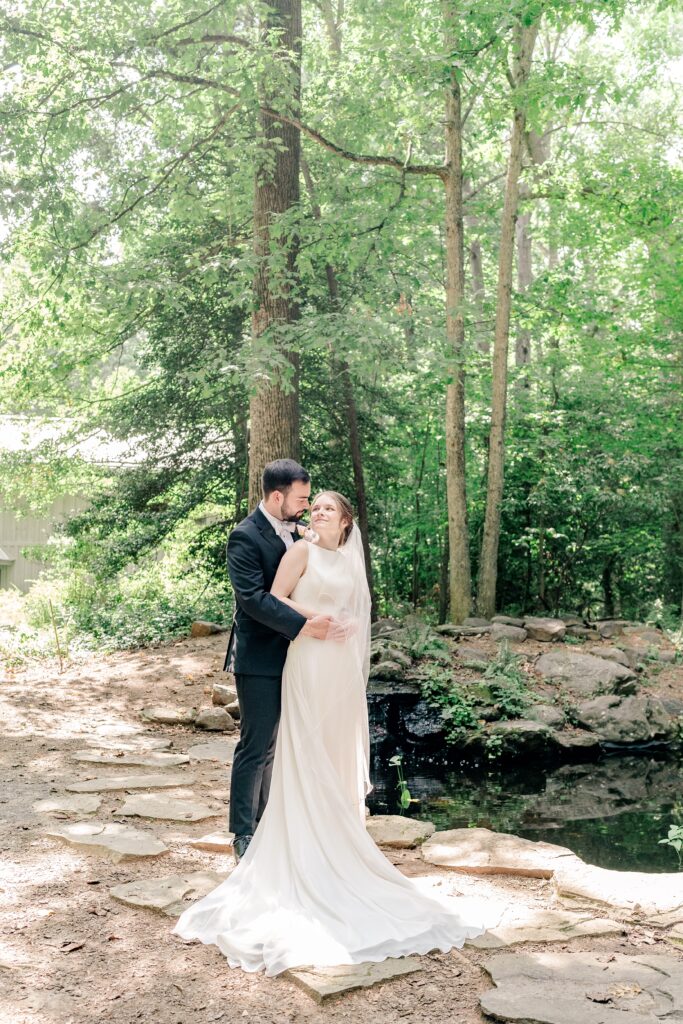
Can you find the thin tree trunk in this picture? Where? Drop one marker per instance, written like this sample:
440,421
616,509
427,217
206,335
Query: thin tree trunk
524,280
342,368
460,581
478,287
486,592
274,408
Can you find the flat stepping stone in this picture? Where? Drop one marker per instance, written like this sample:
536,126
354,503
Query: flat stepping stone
170,895
398,832
214,750
151,759
634,891
530,925
150,805
130,782
77,804
479,851
324,982
169,715
215,842
139,743
118,842
583,988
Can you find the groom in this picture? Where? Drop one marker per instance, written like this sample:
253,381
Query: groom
261,632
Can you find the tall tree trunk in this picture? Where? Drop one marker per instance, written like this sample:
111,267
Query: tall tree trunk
274,408
341,367
486,591
524,280
460,580
477,285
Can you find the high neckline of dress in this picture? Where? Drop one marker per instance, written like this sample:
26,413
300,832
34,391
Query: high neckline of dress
330,551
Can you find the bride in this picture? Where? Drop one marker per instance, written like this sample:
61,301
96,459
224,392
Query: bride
313,888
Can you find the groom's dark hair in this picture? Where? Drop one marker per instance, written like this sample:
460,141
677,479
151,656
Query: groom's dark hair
281,474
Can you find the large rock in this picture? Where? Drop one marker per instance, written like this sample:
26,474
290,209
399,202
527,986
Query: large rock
383,627
532,924
383,652
387,670
151,759
112,840
579,742
215,720
522,736
398,832
170,895
222,694
478,851
584,988
612,654
473,657
584,675
474,621
508,620
611,627
501,631
169,716
625,719
153,805
582,633
633,891
322,983
547,714
424,722
114,782
203,628
545,630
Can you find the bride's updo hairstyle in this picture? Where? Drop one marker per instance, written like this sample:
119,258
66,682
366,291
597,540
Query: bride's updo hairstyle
345,508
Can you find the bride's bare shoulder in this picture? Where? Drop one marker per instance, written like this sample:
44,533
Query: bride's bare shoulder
296,556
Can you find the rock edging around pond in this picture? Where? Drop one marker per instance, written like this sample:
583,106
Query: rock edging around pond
564,699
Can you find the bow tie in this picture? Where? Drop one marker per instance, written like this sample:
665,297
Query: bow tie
284,525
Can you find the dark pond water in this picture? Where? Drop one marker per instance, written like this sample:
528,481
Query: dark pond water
612,813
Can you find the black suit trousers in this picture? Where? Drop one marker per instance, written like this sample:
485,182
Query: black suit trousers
260,701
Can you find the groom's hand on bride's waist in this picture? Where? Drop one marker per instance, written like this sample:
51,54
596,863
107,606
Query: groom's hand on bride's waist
325,627
317,627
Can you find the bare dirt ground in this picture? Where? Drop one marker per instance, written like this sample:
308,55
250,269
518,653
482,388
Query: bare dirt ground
70,954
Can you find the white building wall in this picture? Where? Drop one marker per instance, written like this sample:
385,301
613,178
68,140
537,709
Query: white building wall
24,531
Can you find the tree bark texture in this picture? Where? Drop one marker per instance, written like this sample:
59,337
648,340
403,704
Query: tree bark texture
274,406
486,591
460,581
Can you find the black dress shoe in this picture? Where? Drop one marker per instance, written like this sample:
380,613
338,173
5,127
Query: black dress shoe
239,846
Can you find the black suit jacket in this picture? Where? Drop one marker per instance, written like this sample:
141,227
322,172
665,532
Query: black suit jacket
262,626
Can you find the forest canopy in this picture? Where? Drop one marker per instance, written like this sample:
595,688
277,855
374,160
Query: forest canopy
432,250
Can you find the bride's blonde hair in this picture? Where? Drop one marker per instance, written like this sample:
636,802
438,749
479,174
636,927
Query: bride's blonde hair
345,508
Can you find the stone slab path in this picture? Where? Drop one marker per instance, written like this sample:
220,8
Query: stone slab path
86,915
584,988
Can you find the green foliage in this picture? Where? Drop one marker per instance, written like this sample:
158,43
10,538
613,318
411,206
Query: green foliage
128,266
405,798
508,683
440,690
674,839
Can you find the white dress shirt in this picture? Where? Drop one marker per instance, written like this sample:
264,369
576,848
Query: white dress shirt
283,530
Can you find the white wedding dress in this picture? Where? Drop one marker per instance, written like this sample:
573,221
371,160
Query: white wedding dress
312,887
